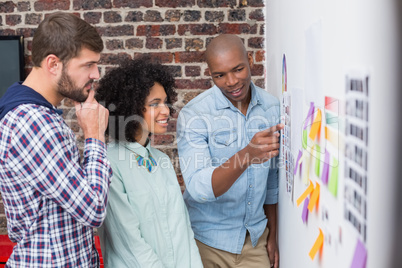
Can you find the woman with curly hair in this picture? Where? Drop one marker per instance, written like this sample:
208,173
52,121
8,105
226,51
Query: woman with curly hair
147,223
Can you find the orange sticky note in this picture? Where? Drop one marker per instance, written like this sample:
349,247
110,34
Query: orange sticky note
314,198
316,126
317,245
309,189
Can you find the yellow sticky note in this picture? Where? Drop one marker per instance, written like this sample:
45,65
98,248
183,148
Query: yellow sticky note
333,179
314,198
317,245
316,126
309,189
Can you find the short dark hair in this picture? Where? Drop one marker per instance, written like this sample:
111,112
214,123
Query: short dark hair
64,35
123,91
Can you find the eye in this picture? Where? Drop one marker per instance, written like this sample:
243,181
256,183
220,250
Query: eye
153,104
239,69
218,76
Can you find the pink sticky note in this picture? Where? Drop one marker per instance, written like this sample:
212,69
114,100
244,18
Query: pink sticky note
325,170
360,257
297,162
310,115
305,210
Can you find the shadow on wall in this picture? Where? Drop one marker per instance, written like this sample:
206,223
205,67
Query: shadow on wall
397,256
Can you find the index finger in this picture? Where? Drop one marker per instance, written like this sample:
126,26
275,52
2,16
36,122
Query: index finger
91,96
273,129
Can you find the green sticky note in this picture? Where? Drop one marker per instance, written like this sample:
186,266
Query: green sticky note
333,179
304,141
317,160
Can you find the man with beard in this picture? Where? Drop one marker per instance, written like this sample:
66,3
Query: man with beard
51,201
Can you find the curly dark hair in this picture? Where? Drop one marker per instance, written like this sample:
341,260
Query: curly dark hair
123,91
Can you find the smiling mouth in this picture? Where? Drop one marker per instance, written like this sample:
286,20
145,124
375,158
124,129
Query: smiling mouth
164,121
236,92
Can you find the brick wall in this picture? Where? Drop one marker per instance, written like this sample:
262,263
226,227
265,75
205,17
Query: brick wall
173,31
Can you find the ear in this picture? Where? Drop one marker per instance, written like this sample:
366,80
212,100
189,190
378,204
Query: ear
52,64
250,59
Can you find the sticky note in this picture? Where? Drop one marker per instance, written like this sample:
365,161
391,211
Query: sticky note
325,169
304,141
360,256
333,180
317,245
317,160
305,210
316,126
331,104
310,114
303,196
297,162
314,197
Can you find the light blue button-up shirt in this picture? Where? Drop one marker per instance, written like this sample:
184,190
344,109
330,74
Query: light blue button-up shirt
210,130
147,224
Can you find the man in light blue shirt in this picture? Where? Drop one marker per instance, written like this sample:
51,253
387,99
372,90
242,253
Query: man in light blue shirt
228,146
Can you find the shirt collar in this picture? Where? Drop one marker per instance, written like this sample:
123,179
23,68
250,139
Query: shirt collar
222,102
138,148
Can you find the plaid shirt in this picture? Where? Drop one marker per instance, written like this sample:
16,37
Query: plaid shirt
51,201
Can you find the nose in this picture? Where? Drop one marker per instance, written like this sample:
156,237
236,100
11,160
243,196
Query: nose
94,72
231,79
165,109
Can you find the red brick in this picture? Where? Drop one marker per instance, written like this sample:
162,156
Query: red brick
175,70
116,30
214,16
33,18
156,30
193,83
112,59
153,43
192,15
257,15
216,3
258,70
174,4
7,7
237,15
192,70
112,17
194,44
162,57
23,6
189,95
42,5
197,29
172,15
237,28
186,57
254,3
91,4
260,83
134,43
92,17
260,56
131,3
256,42
162,139
114,44
173,43
172,126
134,16
26,32
13,20
152,16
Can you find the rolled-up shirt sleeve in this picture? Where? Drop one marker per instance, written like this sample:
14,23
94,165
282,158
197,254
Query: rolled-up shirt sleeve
195,158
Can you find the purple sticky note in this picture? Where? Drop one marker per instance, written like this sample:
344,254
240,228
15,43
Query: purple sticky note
305,210
360,257
297,162
325,170
310,115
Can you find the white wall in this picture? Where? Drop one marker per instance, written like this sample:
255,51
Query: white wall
355,34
